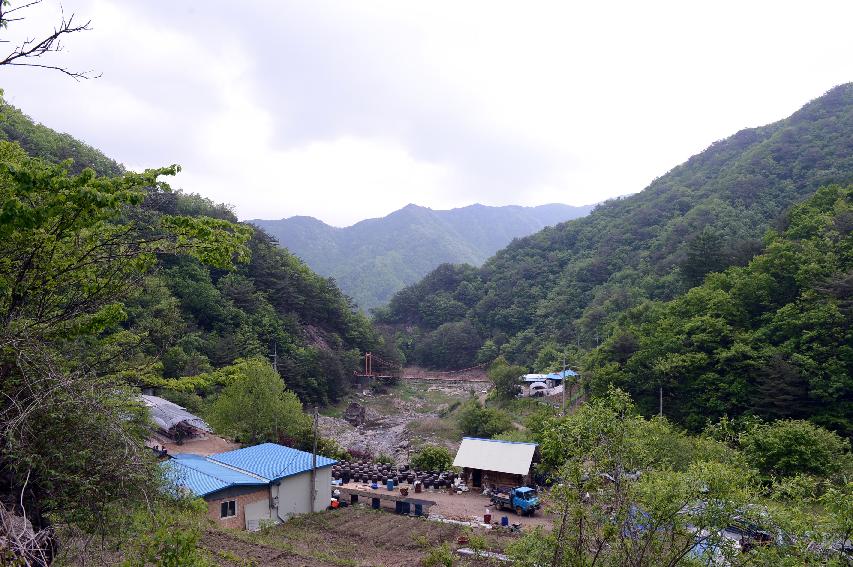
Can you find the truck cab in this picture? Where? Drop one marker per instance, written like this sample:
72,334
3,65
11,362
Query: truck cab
522,499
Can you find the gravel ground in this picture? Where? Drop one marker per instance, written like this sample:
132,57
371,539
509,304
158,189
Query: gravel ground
388,418
465,507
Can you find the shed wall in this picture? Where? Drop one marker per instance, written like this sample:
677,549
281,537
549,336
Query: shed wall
293,492
491,479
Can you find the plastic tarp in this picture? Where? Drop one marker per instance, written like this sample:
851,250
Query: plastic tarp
167,415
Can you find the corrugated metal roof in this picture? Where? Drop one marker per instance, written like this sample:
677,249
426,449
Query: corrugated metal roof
270,460
561,374
494,455
167,414
204,477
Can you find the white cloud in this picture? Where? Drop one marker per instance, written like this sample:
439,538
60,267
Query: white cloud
349,110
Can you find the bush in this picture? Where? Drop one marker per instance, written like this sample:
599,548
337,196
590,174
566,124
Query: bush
432,458
477,421
439,557
787,448
385,459
516,435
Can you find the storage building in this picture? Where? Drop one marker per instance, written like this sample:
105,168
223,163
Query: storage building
490,463
247,487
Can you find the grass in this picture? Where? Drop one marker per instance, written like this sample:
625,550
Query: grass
332,538
436,427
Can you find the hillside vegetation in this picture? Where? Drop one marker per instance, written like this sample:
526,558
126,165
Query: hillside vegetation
373,259
564,285
110,283
772,338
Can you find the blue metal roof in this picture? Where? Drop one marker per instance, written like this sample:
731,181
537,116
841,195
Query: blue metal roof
561,374
204,477
270,460
524,490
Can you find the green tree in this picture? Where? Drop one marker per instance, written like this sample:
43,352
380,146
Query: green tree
506,379
607,512
432,458
704,255
256,408
72,247
478,421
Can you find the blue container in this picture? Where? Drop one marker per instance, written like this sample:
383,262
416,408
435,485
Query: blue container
407,507
419,510
398,507
375,504
390,485
504,521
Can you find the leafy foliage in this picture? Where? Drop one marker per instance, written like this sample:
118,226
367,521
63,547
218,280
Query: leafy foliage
255,408
505,379
72,247
432,458
478,421
793,447
634,491
772,338
570,283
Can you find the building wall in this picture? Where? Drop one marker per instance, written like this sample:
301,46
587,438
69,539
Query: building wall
491,479
254,499
293,492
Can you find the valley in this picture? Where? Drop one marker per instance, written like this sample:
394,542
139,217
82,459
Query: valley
662,379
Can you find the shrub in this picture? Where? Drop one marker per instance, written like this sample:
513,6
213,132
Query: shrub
477,421
440,556
789,447
432,458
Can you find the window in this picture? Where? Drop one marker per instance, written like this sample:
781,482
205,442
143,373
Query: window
228,509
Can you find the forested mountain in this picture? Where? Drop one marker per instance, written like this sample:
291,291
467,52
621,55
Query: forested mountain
40,141
115,282
773,338
567,285
373,259
188,317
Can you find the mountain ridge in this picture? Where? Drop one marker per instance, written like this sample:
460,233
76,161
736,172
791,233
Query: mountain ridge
567,284
374,258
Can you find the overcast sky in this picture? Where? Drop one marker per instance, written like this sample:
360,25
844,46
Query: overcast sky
351,109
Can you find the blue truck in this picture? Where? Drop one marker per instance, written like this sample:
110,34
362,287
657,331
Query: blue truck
522,499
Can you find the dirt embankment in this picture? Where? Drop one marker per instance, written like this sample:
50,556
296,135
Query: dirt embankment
398,422
468,375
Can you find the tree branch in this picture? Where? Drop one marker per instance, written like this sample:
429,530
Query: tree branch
31,49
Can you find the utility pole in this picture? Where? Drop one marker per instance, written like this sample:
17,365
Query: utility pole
563,382
660,399
313,492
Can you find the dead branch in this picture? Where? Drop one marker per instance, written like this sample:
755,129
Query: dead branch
32,48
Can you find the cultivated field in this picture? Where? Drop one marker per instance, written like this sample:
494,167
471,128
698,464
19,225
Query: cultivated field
353,536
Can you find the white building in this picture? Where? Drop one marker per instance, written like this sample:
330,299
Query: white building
248,487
